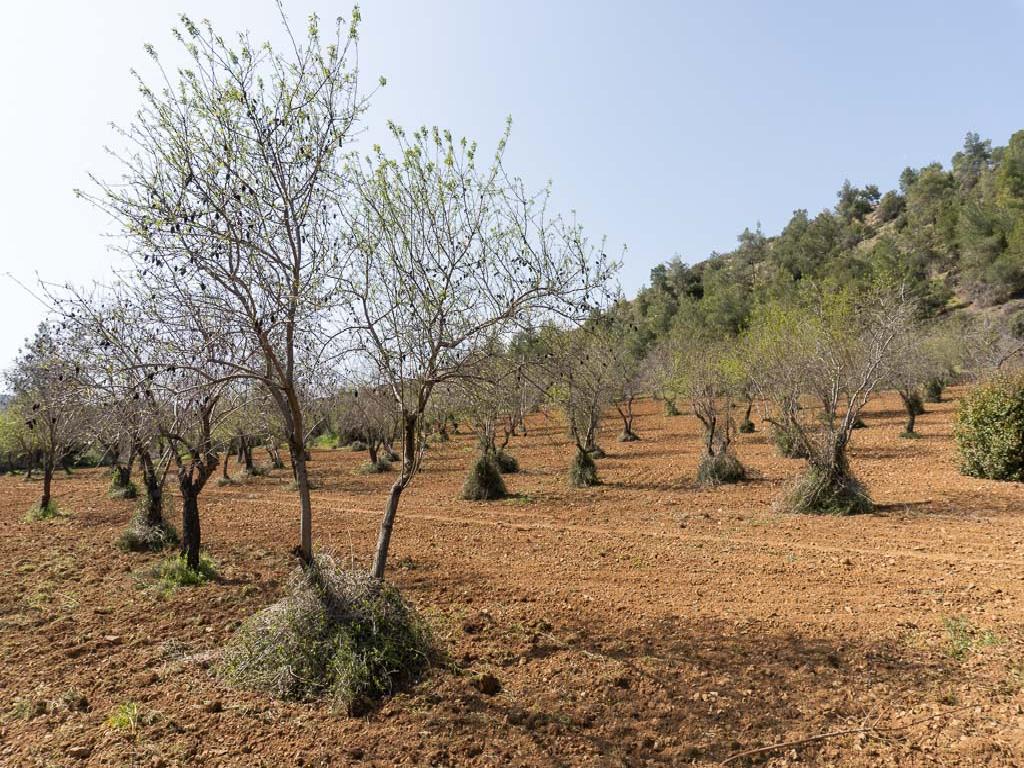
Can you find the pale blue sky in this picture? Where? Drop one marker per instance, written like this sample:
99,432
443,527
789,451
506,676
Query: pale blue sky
668,126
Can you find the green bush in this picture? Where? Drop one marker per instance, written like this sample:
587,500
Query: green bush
583,470
989,429
723,468
788,443
507,463
336,633
484,482
140,536
670,407
817,492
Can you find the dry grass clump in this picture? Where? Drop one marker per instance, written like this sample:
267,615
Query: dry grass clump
817,492
583,470
484,482
507,463
721,469
375,467
140,536
337,633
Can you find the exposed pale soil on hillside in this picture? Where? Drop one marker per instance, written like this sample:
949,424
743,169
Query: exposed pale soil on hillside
642,622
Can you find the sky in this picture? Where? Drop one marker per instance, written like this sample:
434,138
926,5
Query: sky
668,127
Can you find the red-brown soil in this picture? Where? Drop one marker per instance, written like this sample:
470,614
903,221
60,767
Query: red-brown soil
642,622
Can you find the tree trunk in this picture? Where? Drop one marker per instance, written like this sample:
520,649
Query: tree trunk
275,456
371,447
306,508
190,533
227,460
122,475
247,455
154,492
387,524
48,462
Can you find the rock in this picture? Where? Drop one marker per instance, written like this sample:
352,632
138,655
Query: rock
80,752
487,684
213,706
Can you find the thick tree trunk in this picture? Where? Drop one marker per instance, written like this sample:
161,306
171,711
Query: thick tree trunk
190,533
911,420
122,475
387,524
371,447
227,460
247,456
154,492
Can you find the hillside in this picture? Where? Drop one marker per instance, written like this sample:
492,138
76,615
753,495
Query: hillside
954,234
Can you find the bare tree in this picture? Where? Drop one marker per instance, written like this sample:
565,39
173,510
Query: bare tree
228,200
49,402
446,258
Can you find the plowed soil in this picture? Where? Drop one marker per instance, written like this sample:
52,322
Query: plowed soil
641,622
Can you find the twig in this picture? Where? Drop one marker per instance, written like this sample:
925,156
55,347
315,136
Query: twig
843,732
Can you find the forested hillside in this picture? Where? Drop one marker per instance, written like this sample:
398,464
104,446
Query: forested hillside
953,234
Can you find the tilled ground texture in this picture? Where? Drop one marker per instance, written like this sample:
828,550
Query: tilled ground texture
641,622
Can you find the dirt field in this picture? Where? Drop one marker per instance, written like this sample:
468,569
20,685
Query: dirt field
643,622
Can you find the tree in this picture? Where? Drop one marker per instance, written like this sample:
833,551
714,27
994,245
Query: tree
708,374
445,260
229,199
581,376
49,401
627,373
836,347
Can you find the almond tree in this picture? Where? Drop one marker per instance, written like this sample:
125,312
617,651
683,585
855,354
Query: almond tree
228,202
49,402
837,348
445,259
707,373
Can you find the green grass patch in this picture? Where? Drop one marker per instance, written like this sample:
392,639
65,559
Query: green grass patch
173,572
39,514
962,638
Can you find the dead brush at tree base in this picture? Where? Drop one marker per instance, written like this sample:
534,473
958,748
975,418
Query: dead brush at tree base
817,492
583,471
140,536
374,467
720,469
338,634
38,514
507,463
484,482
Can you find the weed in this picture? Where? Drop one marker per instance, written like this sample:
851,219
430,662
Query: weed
173,572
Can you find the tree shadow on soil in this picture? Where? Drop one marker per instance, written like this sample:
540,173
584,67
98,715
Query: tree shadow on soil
689,690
